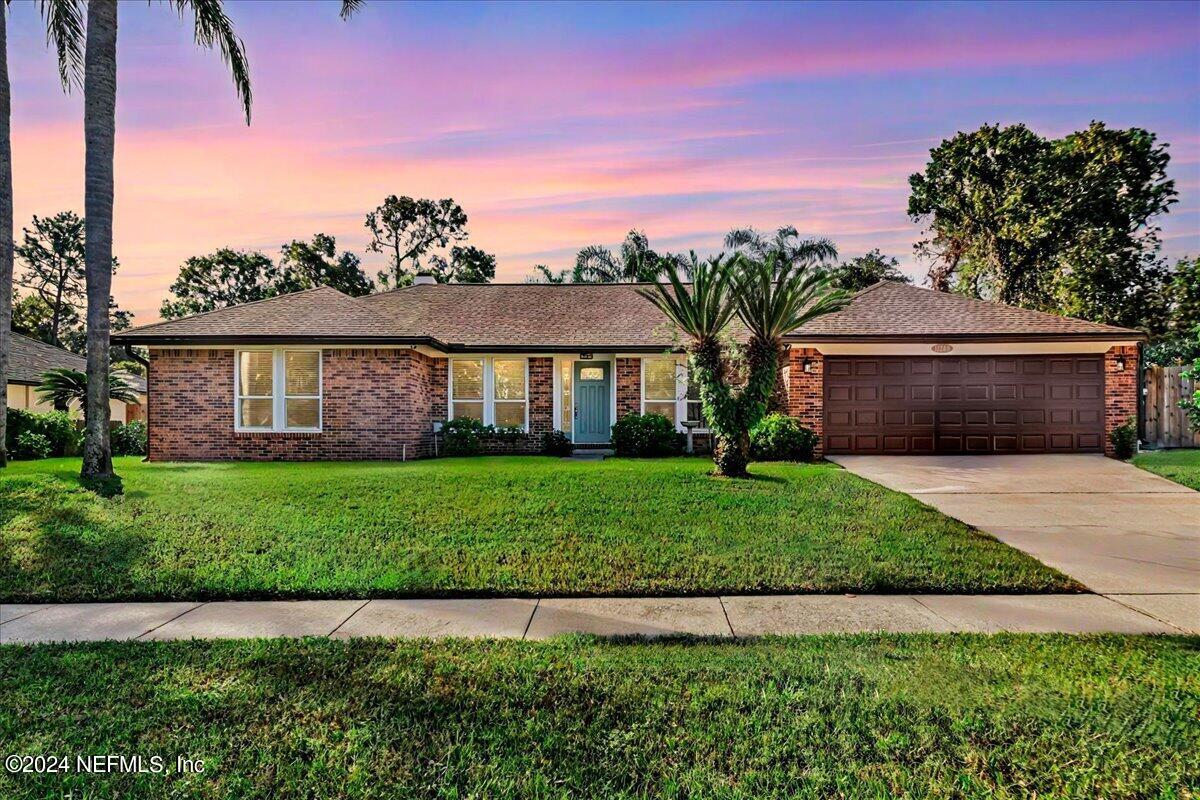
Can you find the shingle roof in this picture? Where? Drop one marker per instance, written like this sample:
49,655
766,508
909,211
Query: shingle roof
313,313
579,316
519,315
29,358
890,309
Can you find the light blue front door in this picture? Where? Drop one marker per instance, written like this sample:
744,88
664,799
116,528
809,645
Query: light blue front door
593,402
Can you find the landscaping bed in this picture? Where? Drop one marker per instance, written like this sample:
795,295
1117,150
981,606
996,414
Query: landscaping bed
482,526
866,716
1181,466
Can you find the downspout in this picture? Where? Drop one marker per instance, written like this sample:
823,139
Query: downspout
145,362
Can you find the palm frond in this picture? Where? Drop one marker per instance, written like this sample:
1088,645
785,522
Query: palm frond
213,28
349,7
66,33
774,301
61,386
703,309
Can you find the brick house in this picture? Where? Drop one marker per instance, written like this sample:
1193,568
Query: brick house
900,370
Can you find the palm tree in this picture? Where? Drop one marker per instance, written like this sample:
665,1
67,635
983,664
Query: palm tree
60,387
6,223
64,29
789,249
790,252
771,301
213,28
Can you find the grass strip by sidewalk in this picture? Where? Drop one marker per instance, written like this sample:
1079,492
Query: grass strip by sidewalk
482,526
858,717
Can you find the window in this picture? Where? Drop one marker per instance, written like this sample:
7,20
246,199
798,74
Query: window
659,387
491,390
508,392
566,412
667,391
466,378
256,389
695,412
278,390
302,389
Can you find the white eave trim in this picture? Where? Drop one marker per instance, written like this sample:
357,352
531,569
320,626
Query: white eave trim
926,347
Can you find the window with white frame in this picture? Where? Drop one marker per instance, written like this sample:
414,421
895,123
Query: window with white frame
667,391
278,390
660,387
494,391
508,392
466,388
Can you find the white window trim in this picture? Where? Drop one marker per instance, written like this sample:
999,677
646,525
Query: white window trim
489,387
279,396
681,386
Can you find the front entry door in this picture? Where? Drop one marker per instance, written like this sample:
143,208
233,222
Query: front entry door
593,391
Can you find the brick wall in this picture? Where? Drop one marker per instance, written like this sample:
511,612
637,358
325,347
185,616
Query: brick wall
806,390
1120,390
377,404
629,386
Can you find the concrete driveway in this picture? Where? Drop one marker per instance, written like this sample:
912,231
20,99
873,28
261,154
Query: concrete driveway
1121,531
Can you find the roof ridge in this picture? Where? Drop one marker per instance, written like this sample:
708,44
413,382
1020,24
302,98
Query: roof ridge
140,328
997,304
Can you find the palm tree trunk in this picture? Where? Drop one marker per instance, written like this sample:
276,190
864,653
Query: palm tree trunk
6,225
99,125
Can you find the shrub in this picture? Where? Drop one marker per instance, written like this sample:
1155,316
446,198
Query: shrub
31,445
778,437
129,439
646,436
463,436
557,443
56,426
1124,440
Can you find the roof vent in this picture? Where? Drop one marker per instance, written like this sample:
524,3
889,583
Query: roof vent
424,279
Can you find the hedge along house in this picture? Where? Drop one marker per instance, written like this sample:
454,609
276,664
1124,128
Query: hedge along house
900,370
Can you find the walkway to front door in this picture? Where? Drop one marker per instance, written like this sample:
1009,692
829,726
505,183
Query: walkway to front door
593,393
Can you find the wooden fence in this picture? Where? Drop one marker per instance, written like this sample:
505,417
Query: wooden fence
1166,423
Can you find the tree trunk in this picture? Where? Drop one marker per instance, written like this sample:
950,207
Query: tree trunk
731,454
99,125
6,226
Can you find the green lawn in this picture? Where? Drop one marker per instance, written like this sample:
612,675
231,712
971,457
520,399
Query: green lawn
516,525
1181,466
866,716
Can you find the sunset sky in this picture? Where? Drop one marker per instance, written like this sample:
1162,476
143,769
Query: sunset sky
562,125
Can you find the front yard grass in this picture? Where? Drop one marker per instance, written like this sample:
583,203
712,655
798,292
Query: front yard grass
483,526
1181,466
965,716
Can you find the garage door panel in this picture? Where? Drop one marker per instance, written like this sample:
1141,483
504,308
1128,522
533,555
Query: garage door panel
965,404
837,392
1005,444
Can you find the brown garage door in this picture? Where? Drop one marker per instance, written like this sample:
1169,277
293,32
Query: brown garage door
969,404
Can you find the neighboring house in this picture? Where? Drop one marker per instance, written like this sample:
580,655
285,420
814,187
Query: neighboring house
29,358
319,375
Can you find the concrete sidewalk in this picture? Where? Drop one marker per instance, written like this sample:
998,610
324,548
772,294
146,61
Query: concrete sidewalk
519,618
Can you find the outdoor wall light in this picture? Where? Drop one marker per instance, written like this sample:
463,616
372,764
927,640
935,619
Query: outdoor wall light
1120,363
807,366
